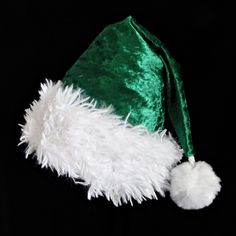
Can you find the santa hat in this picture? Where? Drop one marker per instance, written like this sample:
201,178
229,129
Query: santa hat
104,124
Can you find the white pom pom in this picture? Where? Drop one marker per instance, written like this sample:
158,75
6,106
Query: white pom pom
194,185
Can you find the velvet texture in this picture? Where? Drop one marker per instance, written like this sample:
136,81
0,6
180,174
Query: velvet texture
130,68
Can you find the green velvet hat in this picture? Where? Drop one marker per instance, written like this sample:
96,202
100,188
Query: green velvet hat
104,124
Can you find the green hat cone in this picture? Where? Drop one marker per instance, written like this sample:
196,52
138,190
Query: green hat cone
130,68
104,123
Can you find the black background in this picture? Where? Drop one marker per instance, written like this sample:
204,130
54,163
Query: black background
44,40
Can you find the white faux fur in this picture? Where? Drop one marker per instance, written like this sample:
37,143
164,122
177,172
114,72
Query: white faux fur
122,162
194,185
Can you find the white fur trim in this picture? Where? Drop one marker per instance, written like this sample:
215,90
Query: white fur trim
115,159
194,185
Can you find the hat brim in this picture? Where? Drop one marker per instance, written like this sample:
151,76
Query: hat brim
68,133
